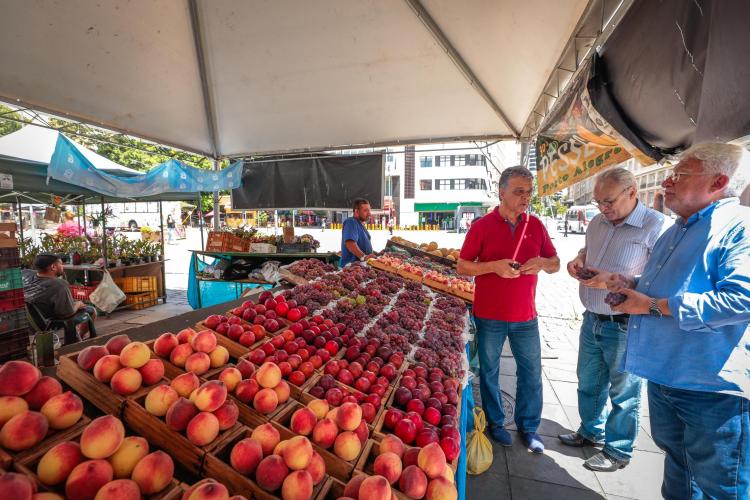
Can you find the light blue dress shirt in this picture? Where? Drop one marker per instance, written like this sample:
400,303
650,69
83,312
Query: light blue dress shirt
702,266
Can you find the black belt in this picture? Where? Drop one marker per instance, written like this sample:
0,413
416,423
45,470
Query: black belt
616,318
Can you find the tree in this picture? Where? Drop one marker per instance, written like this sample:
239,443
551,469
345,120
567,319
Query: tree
8,126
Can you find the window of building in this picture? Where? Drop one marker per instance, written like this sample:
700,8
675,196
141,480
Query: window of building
425,161
444,184
460,184
389,158
651,180
425,185
444,161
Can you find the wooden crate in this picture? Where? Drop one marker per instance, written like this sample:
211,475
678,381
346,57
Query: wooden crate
216,466
333,489
218,241
97,393
28,466
366,460
296,391
156,431
171,370
306,397
53,437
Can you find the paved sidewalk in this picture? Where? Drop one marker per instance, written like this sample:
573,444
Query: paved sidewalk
559,473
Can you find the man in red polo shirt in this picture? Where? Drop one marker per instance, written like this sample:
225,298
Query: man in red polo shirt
505,250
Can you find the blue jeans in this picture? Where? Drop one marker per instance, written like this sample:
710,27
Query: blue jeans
524,342
706,438
600,353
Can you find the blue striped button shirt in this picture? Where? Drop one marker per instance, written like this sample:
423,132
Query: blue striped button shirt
624,249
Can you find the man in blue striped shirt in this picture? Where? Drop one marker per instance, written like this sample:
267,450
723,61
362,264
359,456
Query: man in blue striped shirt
688,333
618,240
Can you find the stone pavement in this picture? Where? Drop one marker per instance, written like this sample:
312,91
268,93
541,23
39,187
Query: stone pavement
559,472
126,319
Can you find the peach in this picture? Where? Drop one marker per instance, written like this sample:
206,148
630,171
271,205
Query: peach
153,472
297,486
298,453
268,375
351,490
46,388
319,407
388,465
203,428
185,384
47,495
87,478
219,356
10,406
283,392
303,421
120,489
431,460
271,473
130,452
16,486
18,377
56,465
180,354
88,357
410,456
441,489
102,437
393,444
247,389
198,363
106,367
126,381
63,411
347,446
325,432
228,413
211,395
204,341
245,456
267,436
349,416
448,473
159,399
332,413
116,344
135,355
165,343
208,489
152,372
375,488
180,414
362,432
246,368
266,401
23,431
279,449
186,335
231,376
413,482
316,468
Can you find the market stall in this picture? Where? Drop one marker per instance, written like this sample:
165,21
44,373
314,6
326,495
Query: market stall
339,378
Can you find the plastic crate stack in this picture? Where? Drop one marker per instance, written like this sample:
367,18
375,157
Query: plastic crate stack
14,325
140,291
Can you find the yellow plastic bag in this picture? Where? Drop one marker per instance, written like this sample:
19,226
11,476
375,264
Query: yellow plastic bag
478,447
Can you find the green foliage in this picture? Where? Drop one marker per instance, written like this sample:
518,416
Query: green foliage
6,126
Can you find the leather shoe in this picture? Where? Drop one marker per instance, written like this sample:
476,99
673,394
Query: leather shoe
575,439
603,462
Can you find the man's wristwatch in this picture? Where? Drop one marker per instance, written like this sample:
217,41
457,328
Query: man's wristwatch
653,308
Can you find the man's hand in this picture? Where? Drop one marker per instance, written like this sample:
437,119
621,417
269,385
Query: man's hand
504,269
617,282
599,281
78,305
636,302
575,265
532,266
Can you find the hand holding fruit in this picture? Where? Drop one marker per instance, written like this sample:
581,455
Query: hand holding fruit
505,268
616,282
575,265
635,302
595,278
532,266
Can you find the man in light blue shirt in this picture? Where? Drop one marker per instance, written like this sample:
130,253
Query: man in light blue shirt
618,240
355,238
688,333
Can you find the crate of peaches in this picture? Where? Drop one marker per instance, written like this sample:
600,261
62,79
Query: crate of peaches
100,463
190,351
236,335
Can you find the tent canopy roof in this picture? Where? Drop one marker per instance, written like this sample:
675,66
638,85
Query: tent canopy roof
236,77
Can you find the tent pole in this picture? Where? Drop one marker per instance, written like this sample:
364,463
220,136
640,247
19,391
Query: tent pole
20,218
217,210
200,221
163,257
104,235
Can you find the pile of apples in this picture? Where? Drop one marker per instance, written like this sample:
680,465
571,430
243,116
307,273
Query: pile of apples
416,472
102,465
32,405
290,466
126,366
195,352
263,388
341,429
202,417
236,329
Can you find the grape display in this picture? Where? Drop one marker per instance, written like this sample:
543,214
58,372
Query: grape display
310,268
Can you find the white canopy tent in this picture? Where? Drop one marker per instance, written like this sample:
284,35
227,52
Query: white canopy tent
229,78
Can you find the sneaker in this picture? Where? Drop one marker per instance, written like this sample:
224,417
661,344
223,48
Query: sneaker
575,439
603,462
501,436
533,441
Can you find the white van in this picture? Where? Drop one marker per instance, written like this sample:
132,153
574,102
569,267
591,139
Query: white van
578,217
135,215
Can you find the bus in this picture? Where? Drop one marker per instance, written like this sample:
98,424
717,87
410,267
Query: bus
578,217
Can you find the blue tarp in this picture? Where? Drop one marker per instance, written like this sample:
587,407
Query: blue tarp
213,292
69,165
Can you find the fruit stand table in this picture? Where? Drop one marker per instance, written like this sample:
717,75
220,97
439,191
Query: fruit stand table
155,269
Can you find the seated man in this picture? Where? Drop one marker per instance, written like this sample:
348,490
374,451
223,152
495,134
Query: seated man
51,296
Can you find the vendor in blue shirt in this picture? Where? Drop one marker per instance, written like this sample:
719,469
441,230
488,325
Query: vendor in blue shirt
688,333
355,239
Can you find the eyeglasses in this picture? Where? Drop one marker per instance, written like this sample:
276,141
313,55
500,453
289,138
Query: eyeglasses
608,203
675,176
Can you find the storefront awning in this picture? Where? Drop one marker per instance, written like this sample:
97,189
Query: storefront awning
444,207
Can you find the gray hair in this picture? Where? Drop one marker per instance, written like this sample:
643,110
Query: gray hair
517,171
620,176
731,160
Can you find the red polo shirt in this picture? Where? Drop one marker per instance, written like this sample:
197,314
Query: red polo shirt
490,238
